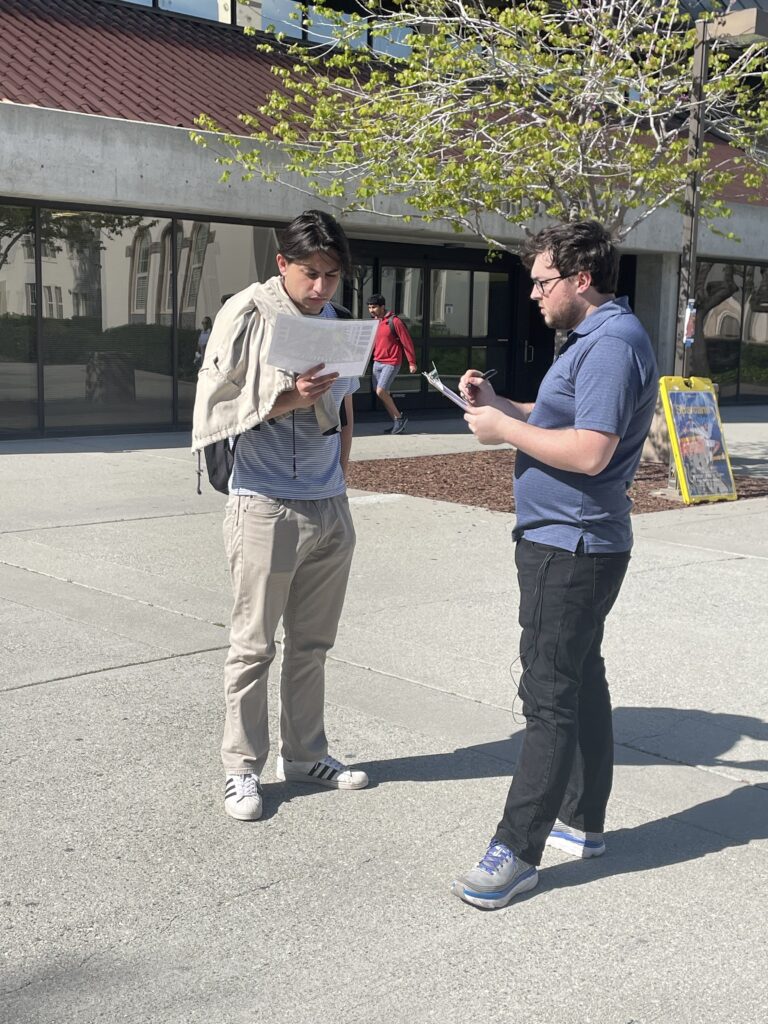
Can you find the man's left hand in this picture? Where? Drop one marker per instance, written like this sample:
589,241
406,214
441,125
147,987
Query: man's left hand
412,367
487,424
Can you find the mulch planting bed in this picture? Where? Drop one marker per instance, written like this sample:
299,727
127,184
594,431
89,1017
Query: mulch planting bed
485,479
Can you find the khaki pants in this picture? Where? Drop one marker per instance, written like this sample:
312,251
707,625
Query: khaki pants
287,559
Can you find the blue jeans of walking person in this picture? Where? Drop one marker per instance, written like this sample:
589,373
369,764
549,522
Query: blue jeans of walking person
565,768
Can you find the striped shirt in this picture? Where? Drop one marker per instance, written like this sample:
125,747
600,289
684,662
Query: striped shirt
291,458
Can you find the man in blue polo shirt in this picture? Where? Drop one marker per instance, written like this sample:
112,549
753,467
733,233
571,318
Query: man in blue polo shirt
578,449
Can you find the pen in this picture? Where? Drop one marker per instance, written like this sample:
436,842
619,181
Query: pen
488,374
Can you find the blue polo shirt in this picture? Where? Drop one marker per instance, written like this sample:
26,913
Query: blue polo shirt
605,378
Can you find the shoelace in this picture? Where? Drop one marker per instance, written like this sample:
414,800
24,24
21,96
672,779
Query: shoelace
495,857
333,763
250,786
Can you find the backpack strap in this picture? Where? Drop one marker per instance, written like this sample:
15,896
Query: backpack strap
388,320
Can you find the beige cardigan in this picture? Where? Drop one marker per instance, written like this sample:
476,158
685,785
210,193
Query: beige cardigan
236,388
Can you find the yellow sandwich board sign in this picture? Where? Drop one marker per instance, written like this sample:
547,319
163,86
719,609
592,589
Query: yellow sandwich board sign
696,436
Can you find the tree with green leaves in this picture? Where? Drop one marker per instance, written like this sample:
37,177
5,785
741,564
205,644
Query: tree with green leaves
488,116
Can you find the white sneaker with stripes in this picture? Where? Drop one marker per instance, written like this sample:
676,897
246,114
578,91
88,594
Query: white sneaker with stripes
242,796
325,772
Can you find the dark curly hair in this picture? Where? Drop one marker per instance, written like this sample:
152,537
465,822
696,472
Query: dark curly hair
311,232
581,245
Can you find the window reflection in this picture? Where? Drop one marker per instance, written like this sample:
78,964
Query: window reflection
403,288
449,308
754,355
282,16
199,8
107,355
393,44
18,310
215,261
140,277
719,298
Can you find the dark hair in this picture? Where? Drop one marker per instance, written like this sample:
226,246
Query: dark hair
581,245
312,232
377,300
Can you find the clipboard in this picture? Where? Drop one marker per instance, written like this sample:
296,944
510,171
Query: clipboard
433,377
696,438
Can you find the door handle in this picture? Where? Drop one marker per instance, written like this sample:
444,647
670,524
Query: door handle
528,352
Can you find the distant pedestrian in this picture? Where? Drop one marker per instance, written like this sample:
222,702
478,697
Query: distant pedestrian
392,343
578,448
202,340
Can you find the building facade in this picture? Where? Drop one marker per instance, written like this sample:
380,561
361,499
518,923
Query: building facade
117,238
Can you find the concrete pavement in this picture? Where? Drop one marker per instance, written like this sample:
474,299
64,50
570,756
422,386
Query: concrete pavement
128,896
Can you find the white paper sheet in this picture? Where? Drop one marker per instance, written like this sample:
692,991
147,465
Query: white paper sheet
300,342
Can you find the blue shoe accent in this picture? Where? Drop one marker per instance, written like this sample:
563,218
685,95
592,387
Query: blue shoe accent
575,842
495,879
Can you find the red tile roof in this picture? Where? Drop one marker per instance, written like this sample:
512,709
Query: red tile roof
130,62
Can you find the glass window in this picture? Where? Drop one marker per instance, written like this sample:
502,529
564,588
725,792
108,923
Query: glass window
140,276
357,290
281,16
393,44
107,358
18,329
449,309
480,302
48,296
248,13
320,29
451,362
753,380
165,289
403,288
215,261
198,246
719,288
200,8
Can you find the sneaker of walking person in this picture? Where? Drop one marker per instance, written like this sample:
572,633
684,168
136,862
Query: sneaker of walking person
575,842
242,797
398,427
327,771
496,878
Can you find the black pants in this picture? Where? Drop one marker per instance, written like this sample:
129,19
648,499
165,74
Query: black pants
565,767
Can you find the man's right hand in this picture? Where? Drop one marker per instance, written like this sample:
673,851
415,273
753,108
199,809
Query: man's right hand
307,389
476,389
312,385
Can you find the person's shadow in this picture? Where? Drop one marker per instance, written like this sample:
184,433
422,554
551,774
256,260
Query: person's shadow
643,736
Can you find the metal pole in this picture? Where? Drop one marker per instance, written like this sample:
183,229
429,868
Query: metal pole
691,203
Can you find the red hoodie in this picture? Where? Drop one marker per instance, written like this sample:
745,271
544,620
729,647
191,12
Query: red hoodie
391,344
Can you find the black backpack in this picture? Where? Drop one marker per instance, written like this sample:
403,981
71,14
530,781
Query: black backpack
220,455
393,333
219,460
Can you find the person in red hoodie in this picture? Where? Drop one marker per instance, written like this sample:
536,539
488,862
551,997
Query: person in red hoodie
392,342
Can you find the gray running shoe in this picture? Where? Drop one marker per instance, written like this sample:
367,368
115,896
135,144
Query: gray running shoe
495,879
242,797
326,772
575,842
399,425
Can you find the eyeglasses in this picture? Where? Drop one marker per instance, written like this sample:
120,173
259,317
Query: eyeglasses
538,283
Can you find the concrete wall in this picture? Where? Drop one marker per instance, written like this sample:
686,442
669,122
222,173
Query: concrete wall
54,155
